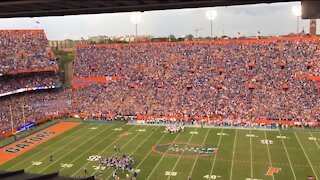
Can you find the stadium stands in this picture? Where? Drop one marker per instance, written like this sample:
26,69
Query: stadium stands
273,79
25,51
28,64
250,79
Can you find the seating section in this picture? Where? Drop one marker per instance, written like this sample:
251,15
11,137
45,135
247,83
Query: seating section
32,106
274,79
260,80
25,50
11,83
28,64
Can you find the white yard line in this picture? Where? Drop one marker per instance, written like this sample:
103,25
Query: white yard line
195,162
270,161
315,140
251,158
145,157
81,155
75,148
150,134
233,152
48,147
215,157
314,172
162,157
181,155
285,148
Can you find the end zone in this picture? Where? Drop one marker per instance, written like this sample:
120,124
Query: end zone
15,149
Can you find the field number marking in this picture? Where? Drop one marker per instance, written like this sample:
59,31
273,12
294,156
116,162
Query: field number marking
66,165
282,137
93,128
211,177
266,141
169,173
36,163
251,135
94,158
222,134
193,132
99,168
313,138
141,130
117,129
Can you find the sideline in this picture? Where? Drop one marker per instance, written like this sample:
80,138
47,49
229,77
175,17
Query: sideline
302,130
23,145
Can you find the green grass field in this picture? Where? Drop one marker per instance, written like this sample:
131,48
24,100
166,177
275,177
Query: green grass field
241,153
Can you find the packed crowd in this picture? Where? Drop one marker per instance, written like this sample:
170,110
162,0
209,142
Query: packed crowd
225,80
11,83
22,50
236,80
32,106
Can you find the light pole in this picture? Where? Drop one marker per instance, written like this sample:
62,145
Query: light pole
211,15
296,10
136,19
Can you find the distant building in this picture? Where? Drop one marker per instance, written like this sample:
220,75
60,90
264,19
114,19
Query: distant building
62,44
98,39
160,39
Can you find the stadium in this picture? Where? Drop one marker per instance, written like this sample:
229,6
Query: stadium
243,108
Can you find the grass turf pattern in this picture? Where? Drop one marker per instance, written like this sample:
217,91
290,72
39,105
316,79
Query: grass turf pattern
243,154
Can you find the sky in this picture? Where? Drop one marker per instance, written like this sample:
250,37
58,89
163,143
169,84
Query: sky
270,19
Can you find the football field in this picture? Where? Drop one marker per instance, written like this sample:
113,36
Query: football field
237,154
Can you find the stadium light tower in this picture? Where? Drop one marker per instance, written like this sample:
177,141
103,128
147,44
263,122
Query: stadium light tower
211,15
296,10
136,19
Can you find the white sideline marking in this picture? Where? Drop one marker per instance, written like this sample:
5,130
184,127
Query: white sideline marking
181,154
73,149
233,152
285,148
99,153
215,157
315,174
48,147
195,162
270,161
162,157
